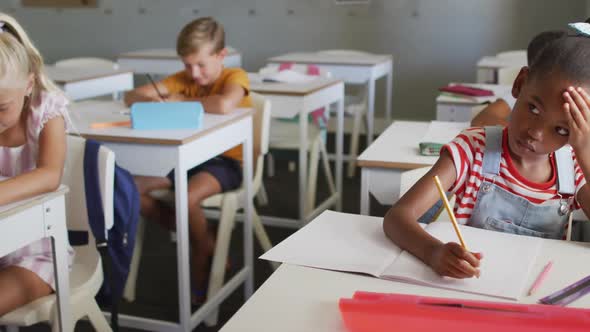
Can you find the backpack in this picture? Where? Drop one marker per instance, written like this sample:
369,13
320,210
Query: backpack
116,249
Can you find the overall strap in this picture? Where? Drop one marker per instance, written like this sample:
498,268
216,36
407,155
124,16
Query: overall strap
493,151
564,163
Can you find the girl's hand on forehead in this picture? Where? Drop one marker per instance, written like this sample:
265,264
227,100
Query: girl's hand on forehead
577,109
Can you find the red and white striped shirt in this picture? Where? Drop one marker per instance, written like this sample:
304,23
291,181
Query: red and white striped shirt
467,153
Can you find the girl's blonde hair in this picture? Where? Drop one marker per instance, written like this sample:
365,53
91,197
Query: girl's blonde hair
19,58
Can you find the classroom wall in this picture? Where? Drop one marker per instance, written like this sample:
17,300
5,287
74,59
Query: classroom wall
433,41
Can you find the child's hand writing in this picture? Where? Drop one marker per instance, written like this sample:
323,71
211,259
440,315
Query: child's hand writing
450,259
577,108
175,97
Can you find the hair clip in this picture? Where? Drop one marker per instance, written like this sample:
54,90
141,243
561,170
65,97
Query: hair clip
581,28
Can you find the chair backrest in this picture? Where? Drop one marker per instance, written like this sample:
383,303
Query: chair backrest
507,75
516,55
87,62
344,52
261,122
73,177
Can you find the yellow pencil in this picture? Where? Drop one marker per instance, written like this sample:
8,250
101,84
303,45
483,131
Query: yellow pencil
443,197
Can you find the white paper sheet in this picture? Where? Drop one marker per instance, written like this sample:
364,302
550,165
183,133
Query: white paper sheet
354,243
505,267
338,241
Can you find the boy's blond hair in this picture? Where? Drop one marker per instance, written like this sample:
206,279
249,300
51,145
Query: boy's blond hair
19,58
200,32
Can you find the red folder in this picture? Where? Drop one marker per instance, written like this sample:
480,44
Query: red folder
467,90
376,312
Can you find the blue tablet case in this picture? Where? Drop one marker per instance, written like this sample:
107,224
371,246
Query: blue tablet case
164,115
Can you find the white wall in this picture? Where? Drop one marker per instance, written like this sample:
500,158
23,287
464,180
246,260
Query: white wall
433,41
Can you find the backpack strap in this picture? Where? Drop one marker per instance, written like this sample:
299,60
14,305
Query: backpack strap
493,152
94,209
564,163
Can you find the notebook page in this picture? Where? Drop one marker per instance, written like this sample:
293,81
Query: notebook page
505,267
338,241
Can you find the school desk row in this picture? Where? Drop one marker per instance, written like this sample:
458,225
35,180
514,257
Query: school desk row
352,67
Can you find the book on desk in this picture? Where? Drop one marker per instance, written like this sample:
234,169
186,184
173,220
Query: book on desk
379,312
352,243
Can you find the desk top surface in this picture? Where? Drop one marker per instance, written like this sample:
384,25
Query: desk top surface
397,147
492,61
12,208
360,59
500,91
85,113
297,298
295,89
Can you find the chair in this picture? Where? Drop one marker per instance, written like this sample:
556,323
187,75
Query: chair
86,275
507,75
355,105
516,55
89,63
284,135
229,203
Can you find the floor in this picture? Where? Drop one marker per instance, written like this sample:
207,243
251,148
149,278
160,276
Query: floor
157,290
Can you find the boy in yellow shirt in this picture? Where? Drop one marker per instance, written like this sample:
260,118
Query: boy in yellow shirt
201,47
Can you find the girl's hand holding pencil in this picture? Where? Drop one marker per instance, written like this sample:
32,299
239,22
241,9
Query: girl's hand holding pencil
451,259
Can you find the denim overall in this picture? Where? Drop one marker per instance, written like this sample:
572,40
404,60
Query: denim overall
499,210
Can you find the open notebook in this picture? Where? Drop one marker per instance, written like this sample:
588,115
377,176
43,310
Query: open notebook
354,243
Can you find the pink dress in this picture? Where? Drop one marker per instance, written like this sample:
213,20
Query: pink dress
36,256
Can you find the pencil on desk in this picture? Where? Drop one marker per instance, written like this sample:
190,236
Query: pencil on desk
542,276
445,201
102,125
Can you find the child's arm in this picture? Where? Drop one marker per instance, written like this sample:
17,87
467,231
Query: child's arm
577,108
145,93
225,102
47,176
496,113
401,226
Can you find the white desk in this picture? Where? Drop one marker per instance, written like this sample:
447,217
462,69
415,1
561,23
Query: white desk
487,67
382,163
82,83
457,109
165,61
359,69
297,298
156,152
291,99
27,221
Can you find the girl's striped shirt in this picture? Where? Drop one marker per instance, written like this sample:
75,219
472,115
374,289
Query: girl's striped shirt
467,150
